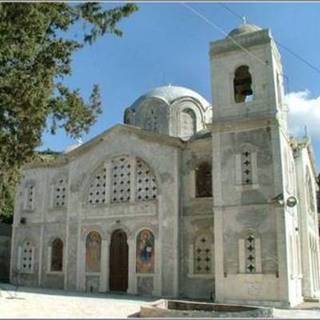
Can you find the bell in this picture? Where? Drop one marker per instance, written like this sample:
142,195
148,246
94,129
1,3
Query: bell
247,92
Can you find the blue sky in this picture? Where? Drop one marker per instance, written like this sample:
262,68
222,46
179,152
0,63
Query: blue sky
166,43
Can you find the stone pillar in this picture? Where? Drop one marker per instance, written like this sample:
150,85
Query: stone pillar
104,266
132,179
132,278
108,169
40,255
157,270
81,281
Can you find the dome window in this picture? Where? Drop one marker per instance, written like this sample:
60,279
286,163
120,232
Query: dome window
188,123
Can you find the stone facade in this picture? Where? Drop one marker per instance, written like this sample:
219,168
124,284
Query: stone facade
185,199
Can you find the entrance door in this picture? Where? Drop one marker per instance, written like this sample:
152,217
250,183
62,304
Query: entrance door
119,261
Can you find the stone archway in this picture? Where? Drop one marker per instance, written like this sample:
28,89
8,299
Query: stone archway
118,261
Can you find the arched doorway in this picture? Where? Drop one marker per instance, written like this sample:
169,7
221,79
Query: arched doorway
119,261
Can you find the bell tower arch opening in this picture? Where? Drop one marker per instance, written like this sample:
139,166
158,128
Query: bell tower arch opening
242,85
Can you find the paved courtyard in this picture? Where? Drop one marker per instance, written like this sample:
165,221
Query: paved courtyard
24,302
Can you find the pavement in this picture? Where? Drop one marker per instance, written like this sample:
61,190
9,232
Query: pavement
25,302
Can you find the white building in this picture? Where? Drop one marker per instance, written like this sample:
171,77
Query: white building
186,199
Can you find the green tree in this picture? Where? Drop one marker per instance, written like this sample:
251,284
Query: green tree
35,56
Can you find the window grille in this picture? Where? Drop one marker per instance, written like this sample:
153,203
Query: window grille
246,167
97,193
146,187
202,255
27,257
29,200
60,193
250,254
120,177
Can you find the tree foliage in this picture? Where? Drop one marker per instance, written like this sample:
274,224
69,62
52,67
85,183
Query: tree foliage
35,56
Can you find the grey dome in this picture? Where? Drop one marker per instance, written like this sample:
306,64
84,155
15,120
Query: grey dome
170,94
244,28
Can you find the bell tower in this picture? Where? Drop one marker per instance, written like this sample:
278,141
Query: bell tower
247,77
251,157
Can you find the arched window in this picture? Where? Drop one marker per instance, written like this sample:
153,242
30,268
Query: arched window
145,252
188,123
203,180
151,121
146,186
60,193
202,255
242,85
93,252
56,255
27,257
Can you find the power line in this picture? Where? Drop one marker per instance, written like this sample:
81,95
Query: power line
237,15
297,56
231,11
211,23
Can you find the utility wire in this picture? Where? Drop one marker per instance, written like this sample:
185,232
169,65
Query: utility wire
243,20
211,23
297,56
231,11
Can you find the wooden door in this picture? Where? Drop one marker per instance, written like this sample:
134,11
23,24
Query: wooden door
119,261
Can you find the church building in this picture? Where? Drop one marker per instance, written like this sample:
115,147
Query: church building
186,199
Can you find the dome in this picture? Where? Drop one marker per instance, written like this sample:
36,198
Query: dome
170,110
244,28
169,94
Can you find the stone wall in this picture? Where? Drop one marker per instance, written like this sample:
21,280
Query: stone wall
71,223
197,220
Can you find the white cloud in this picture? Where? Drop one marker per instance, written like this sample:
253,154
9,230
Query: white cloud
303,111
